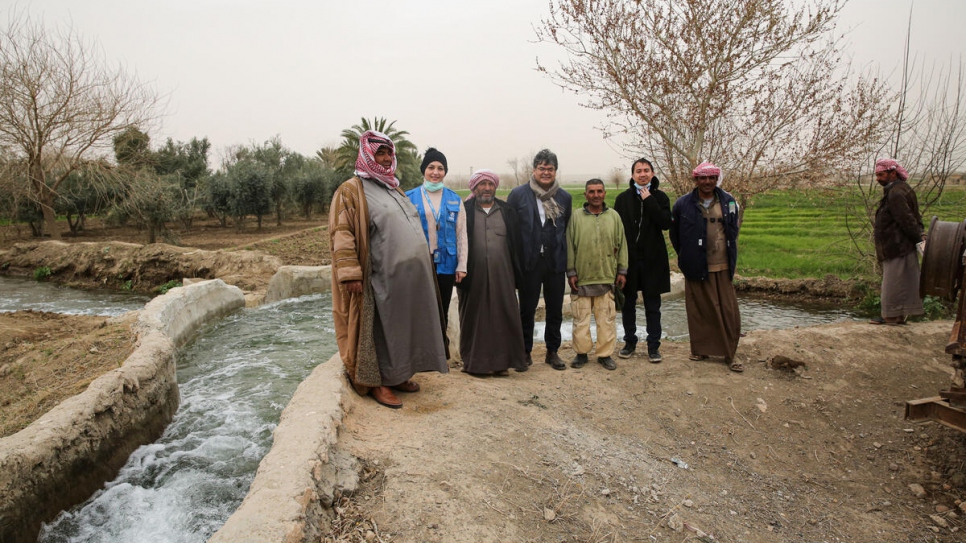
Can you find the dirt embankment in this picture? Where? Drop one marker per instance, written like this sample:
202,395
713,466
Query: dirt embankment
828,288
135,267
46,358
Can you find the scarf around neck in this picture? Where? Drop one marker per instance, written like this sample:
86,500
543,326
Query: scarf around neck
550,206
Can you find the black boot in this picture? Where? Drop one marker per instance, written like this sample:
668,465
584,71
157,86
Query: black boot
555,362
579,361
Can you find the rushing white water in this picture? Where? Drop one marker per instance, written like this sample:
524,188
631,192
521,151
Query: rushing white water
235,379
17,294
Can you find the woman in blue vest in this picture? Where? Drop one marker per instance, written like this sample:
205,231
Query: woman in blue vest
443,217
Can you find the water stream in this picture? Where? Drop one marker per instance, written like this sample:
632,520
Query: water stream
756,314
17,294
235,379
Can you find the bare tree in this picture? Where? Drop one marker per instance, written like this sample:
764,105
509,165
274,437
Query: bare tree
754,85
522,168
61,105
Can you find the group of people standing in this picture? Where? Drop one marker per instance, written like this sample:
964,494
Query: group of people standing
391,295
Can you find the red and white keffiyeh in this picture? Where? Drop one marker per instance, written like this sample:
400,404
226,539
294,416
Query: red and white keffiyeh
888,164
366,166
706,169
484,174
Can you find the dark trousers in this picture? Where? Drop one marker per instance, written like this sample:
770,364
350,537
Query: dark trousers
553,294
652,316
445,283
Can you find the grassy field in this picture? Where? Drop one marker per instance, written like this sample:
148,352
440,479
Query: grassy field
796,234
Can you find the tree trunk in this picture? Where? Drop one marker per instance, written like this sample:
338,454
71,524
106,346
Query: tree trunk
50,218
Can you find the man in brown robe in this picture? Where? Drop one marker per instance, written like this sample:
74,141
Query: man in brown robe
385,303
491,337
704,233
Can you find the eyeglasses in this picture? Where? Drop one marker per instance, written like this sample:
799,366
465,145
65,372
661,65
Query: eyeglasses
545,169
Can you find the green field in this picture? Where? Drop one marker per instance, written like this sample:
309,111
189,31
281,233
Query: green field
796,234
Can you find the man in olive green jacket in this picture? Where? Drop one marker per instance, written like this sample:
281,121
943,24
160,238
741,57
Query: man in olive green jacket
596,262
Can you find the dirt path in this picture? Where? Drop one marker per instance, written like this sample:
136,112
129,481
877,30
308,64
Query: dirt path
589,455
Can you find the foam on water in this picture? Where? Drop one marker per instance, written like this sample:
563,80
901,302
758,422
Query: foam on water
235,379
17,294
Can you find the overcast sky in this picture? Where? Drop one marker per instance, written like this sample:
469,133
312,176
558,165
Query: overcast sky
457,75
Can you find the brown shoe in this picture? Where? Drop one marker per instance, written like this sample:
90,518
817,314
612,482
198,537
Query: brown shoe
385,396
407,386
555,361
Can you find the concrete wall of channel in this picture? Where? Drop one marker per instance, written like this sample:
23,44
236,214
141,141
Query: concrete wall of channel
70,452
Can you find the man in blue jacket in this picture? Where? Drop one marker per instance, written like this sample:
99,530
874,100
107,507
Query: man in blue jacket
704,233
544,211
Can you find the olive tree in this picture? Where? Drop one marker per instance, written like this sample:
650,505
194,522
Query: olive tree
61,104
756,86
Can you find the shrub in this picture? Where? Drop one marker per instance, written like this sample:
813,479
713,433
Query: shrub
937,308
42,273
163,289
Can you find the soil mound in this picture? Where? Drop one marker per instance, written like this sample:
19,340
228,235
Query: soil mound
136,267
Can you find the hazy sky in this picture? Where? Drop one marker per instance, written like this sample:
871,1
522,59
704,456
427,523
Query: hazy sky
457,75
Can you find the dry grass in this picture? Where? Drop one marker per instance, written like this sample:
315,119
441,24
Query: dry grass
46,358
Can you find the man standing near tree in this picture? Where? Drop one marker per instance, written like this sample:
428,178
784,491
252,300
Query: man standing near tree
646,213
544,211
596,266
704,233
898,228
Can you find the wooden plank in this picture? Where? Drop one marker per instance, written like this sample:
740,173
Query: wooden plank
938,410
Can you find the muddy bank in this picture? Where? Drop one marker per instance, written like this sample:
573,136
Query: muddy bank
828,288
141,268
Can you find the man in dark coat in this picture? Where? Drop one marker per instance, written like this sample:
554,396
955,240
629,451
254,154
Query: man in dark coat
544,209
704,233
646,213
898,228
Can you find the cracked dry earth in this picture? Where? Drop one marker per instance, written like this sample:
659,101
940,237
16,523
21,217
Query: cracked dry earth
821,453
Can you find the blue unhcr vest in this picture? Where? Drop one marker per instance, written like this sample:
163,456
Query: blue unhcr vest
445,256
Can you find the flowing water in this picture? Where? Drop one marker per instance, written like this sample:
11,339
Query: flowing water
756,314
235,379
18,294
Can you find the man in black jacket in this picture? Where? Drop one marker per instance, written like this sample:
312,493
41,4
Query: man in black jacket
646,213
897,229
